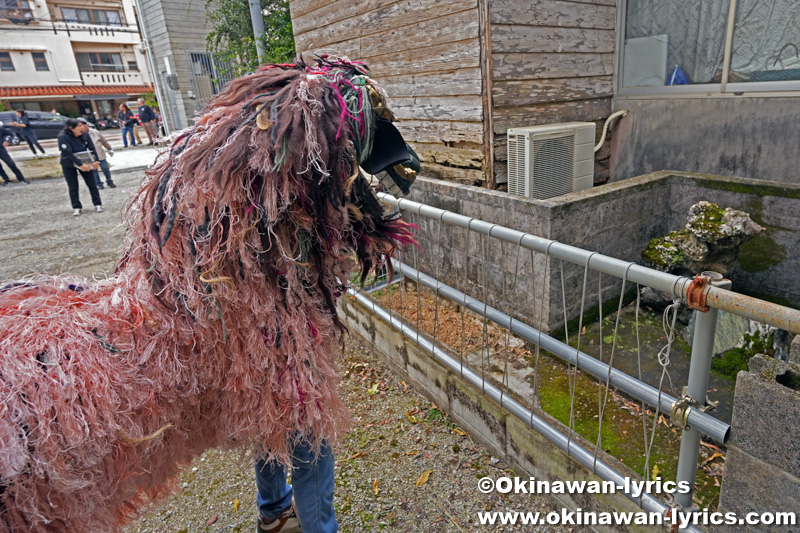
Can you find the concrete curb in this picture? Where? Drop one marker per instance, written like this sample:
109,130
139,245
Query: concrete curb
59,175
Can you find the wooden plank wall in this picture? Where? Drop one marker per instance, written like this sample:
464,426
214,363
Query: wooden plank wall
426,54
552,61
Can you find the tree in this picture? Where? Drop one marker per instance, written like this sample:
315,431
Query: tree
231,38
150,99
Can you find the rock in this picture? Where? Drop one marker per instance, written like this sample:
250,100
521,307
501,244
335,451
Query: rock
710,241
730,331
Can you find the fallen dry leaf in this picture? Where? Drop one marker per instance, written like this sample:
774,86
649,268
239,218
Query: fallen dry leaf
423,478
212,519
375,487
236,505
358,454
656,472
713,456
459,432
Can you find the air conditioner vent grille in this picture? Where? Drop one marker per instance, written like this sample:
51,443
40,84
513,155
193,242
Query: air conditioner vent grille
550,160
553,162
516,165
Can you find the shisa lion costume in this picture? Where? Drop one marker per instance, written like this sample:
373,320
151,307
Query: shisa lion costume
219,326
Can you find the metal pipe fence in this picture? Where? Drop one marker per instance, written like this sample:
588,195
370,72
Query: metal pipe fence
703,293
538,424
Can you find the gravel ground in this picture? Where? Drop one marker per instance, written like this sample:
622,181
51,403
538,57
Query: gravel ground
405,466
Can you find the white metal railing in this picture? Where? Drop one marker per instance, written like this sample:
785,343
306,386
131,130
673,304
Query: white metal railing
707,292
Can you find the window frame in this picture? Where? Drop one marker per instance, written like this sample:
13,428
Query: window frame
94,62
8,60
699,90
91,14
37,63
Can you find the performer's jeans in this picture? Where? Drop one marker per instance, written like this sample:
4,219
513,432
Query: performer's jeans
312,485
126,130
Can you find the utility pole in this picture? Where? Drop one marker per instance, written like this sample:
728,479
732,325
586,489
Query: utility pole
258,27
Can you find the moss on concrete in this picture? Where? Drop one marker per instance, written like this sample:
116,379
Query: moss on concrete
592,315
761,253
738,186
736,359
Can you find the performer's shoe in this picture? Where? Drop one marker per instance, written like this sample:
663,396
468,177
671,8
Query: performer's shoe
112,185
76,212
98,208
287,522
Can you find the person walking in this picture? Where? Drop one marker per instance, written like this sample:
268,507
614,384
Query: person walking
126,122
78,155
147,118
5,157
25,131
101,144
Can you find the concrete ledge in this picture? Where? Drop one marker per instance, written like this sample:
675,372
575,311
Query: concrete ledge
509,438
766,414
754,486
762,467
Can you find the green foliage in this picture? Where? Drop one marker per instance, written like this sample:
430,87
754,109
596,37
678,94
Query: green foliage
150,99
2,106
231,38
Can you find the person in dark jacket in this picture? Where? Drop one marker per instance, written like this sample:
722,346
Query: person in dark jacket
25,131
5,136
78,155
126,121
147,117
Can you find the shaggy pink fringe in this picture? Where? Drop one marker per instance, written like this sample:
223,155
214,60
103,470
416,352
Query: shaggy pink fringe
218,328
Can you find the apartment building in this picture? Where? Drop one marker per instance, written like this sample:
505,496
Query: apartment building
75,56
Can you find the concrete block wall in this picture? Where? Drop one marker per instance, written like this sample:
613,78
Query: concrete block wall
762,466
616,219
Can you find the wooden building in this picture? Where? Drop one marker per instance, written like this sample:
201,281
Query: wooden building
710,86
460,72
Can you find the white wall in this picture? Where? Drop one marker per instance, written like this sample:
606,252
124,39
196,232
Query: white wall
59,48
58,51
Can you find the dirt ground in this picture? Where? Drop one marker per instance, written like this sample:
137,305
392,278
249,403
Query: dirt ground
405,466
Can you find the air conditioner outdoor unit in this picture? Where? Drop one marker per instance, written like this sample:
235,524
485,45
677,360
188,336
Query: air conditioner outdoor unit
550,160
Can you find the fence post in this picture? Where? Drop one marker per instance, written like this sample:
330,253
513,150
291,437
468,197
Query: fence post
699,369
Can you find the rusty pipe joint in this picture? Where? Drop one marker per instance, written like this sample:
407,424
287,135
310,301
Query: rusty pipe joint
697,292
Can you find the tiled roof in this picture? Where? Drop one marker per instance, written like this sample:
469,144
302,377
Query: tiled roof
71,90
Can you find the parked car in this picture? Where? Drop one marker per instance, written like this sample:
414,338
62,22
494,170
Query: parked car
46,125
